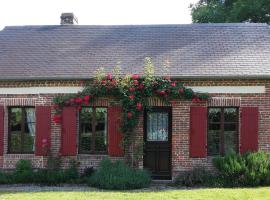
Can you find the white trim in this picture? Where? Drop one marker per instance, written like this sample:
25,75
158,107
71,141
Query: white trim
63,90
229,89
40,90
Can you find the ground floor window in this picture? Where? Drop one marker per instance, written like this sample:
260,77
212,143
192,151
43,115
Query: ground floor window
22,129
93,130
222,131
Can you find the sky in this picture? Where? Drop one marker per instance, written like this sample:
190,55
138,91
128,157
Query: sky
95,12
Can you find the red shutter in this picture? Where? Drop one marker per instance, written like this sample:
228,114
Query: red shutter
69,132
115,136
43,130
198,132
1,130
249,129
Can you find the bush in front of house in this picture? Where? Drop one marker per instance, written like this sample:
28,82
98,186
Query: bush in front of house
250,169
118,176
52,175
197,176
24,172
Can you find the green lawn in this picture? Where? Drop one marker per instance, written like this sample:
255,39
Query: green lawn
195,194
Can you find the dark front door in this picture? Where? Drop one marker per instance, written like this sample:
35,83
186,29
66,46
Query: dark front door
157,138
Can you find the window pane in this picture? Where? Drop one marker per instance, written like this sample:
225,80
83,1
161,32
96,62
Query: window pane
213,145
101,129
15,119
230,127
15,142
157,126
214,114
230,115
214,126
28,143
30,130
230,142
85,129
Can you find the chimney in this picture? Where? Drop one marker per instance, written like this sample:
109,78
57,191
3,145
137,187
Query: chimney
68,19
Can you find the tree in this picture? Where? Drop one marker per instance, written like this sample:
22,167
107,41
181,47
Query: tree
218,11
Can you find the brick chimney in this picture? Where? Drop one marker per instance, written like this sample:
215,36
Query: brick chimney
68,19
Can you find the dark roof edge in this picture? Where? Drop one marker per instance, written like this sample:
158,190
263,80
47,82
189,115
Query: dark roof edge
173,77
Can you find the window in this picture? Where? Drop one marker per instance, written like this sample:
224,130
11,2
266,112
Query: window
93,130
222,131
22,129
157,126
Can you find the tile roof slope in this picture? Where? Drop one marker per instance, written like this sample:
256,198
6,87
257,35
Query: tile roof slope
193,51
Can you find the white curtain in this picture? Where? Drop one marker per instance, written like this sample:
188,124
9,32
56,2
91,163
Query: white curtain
31,119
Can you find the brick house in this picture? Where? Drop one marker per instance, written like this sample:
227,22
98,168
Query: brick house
229,61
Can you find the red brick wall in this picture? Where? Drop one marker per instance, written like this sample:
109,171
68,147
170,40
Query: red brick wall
180,124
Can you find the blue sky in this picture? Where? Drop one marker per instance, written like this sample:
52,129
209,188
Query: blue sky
43,12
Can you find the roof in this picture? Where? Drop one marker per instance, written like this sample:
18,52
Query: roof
193,51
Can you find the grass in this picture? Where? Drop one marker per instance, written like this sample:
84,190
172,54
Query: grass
262,193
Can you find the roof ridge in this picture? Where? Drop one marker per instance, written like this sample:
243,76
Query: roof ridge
141,25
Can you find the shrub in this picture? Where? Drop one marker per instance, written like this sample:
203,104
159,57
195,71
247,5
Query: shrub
23,172
54,175
87,172
231,168
6,178
250,169
117,175
257,169
196,177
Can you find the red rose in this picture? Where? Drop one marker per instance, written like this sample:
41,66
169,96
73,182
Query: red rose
131,97
168,78
78,100
103,82
86,98
196,100
135,76
173,102
109,76
113,82
141,86
135,82
162,92
173,84
132,89
57,118
139,106
129,115
181,90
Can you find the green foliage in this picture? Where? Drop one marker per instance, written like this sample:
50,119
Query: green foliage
52,175
6,178
117,175
196,177
231,168
258,169
251,169
216,11
133,91
24,172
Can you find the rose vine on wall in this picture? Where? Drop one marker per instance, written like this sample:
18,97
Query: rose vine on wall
133,90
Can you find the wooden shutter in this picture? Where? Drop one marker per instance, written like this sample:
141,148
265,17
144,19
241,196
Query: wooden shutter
249,129
69,132
198,132
43,130
1,130
114,134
